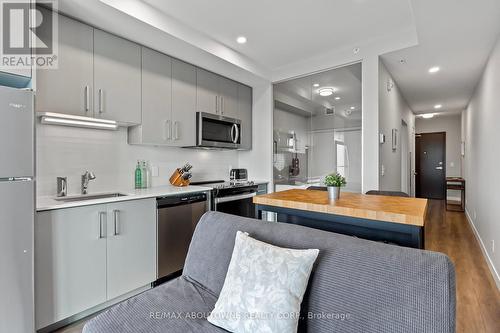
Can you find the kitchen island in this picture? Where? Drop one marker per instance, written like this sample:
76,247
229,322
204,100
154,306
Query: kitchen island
396,220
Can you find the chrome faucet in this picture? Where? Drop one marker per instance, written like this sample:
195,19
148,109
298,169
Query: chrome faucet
86,177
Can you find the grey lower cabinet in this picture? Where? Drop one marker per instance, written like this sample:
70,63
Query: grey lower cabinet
68,89
86,256
168,102
245,115
117,78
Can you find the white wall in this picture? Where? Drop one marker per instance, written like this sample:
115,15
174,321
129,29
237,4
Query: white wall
452,125
259,160
393,109
482,157
69,151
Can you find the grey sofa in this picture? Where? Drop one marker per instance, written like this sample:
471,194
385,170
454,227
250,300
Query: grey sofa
356,285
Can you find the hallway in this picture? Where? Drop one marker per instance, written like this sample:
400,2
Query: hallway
478,299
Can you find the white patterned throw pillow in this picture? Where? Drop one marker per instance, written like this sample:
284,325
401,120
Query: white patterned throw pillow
264,287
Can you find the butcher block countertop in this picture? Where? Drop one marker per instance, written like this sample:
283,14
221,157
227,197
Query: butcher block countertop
410,211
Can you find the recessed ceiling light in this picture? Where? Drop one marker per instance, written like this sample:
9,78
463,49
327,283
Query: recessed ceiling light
316,85
434,69
428,115
326,91
337,98
241,40
438,106
353,108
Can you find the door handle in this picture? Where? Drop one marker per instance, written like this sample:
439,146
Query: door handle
116,221
87,98
102,224
101,102
237,133
439,168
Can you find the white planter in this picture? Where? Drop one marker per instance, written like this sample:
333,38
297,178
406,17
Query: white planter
333,192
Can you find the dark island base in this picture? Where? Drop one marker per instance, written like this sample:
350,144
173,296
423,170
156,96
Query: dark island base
393,233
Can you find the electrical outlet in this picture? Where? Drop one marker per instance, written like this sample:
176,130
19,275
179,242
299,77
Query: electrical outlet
492,246
154,171
382,170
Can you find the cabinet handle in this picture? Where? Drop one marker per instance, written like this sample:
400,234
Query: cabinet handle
216,104
222,105
102,224
176,130
168,129
87,99
101,102
116,221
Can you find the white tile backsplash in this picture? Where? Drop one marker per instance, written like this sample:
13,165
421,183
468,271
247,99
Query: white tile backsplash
69,151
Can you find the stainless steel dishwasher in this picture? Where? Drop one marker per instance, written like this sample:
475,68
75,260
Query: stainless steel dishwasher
177,219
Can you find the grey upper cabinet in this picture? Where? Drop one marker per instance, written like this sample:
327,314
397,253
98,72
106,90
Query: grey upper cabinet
183,104
68,89
228,92
156,125
216,94
117,78
207,91
245,115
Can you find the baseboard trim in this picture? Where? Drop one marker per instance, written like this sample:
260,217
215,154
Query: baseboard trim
493,271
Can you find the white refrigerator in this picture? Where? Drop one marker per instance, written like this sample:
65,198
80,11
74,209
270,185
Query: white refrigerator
17,199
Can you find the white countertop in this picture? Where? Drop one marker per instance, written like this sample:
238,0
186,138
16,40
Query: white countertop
50,202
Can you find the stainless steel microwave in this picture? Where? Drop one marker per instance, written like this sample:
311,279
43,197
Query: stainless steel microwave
214,131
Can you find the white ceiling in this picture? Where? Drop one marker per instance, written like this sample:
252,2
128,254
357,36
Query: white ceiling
281,32
457,36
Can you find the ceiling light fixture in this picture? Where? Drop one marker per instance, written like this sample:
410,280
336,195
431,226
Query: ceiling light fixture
337,98
241,40
316,85
438,106
428,115
326,91
77,121
434,69
353,108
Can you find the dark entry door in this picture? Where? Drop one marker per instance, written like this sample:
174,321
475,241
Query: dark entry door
430,160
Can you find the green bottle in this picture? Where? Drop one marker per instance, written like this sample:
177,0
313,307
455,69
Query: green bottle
138,176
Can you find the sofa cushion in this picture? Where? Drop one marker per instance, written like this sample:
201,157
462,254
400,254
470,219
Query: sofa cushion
356,285
264,287
176,306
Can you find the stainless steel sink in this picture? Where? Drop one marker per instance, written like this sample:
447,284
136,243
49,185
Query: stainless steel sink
84,197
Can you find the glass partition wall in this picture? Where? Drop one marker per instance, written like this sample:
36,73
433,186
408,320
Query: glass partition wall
317,129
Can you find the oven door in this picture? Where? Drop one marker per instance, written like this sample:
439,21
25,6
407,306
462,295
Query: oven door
217,131
239,204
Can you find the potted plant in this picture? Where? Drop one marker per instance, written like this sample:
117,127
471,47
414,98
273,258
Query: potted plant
334,182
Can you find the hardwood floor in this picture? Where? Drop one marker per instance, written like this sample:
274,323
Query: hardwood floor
478,299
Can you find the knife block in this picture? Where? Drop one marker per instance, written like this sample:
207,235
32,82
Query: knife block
177,180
